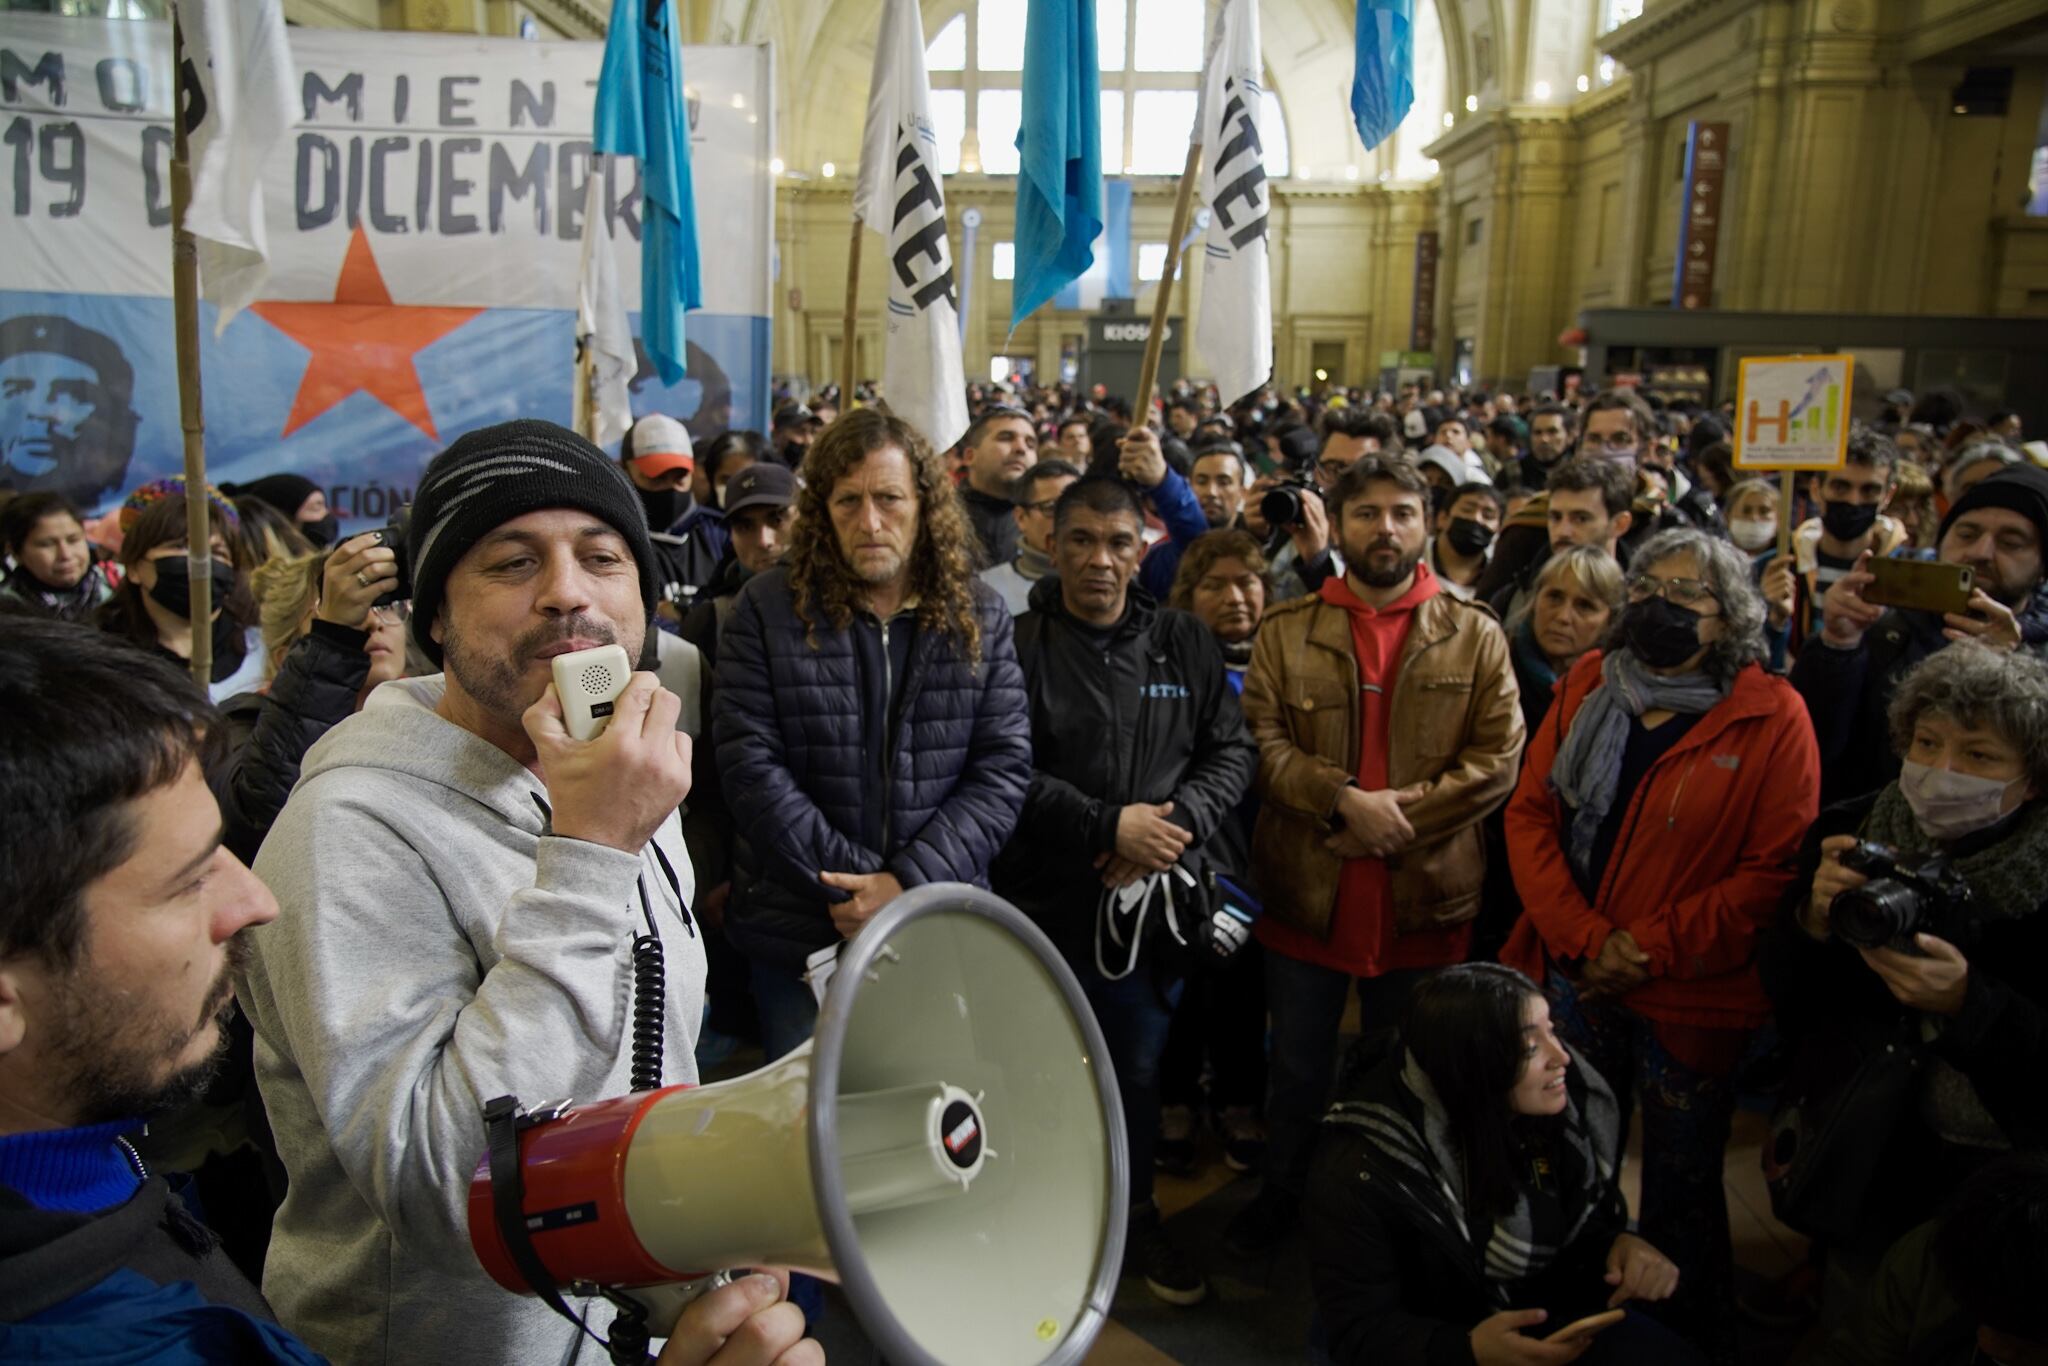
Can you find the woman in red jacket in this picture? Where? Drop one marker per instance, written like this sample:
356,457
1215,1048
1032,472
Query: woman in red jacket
1652,837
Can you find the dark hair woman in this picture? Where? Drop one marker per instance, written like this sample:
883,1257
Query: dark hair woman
1465,1203
55,573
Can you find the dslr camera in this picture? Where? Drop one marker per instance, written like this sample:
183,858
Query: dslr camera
1281,504
1899,901
393,536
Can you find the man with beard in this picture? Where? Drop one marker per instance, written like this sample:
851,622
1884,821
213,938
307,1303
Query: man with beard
121,920
1850,670
1388,723
869,712
464,889
65,423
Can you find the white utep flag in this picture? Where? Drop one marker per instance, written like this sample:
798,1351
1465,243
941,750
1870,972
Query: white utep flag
1235,332
244,107
899,195
601,323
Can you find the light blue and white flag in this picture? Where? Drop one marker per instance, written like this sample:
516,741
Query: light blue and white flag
640,114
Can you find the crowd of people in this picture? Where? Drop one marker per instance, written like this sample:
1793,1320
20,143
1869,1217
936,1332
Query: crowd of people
1502,720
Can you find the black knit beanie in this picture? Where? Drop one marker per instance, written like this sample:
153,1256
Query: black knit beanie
2017,488
494,474
285,492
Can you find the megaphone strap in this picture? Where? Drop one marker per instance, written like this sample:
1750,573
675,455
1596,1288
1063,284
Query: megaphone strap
503,1123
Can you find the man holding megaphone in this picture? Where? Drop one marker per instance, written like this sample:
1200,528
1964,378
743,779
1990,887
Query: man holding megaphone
472,903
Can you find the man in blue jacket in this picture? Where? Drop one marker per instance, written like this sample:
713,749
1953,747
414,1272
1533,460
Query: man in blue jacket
868,713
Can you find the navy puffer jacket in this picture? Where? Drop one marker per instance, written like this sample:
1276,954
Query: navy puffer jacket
793,725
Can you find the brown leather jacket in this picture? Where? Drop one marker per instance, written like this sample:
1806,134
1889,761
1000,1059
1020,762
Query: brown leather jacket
1456,729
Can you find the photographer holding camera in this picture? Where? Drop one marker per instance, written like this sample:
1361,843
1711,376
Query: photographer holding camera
1914,972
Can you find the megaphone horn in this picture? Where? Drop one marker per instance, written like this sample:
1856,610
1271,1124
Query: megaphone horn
949,1147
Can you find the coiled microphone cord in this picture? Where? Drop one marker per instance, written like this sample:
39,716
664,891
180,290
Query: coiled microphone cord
650,1002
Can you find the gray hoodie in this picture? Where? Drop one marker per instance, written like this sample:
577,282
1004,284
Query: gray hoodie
433,949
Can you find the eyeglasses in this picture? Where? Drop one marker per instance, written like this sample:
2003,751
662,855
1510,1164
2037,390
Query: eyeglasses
1332,469
1613,441
1043,509
392,614
1683,592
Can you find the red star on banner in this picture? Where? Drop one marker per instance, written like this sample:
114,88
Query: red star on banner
362,343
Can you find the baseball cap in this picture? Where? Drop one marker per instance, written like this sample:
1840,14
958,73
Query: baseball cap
766,483
795,415
658,445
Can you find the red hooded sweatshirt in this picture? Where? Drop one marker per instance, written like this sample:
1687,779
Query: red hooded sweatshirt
1362,940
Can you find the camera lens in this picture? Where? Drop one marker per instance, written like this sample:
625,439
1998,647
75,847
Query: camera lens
1876,914
1281,507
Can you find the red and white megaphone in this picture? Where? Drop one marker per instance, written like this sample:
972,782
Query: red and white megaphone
948,1147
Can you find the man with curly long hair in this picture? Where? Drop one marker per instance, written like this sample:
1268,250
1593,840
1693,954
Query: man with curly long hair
869,711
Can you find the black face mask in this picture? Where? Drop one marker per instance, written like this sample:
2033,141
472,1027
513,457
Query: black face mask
322,532
1660,633
1469,537
1848,521
793,453
173,591
661,506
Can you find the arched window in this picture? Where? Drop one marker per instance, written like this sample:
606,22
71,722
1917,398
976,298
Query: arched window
1151,60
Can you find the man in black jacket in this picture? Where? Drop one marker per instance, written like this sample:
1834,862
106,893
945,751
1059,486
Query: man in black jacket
1140,754
1000,446
869,714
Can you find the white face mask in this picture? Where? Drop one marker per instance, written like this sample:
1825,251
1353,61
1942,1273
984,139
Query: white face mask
1949,805
1753,533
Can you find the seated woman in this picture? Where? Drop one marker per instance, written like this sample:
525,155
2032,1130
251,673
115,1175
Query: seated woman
326,646
54,574
1971,983
1464,1203
1652,835
153,606
1577,595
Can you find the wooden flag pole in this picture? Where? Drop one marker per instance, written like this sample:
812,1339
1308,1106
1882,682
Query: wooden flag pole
185,312
1162,302
852,314
1784,512
586,391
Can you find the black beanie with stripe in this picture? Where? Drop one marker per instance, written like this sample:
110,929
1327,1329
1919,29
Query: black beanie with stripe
494,474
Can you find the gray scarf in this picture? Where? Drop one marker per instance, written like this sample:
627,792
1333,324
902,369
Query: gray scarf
1588,767
1032,564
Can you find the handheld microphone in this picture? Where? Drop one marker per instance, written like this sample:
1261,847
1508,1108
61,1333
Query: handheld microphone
589,682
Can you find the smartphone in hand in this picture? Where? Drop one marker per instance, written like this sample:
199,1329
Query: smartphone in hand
1581,1329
